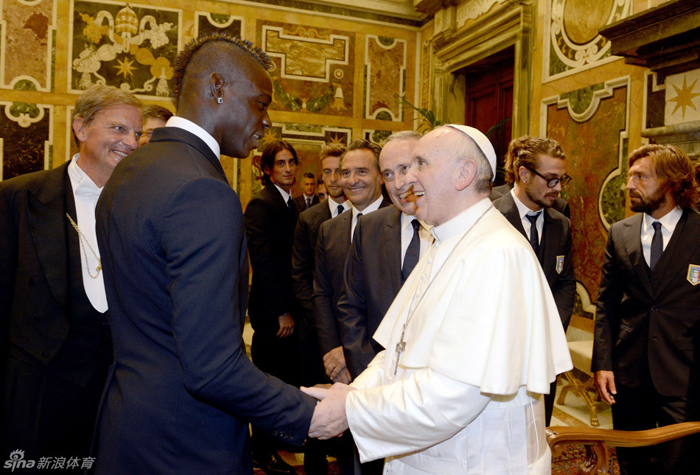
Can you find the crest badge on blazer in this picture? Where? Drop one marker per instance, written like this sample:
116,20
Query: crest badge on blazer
694,274
560,264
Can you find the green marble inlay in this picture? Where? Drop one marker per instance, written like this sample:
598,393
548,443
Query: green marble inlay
613,195
556,66
383,115
319,104
292,103
24,85
581,99
308,128
379,136
18,108
219,18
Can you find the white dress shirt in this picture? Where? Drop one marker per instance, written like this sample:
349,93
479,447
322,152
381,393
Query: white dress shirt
333,206
407,234
668,225
524,211
190,126
285,196
374,206
86,193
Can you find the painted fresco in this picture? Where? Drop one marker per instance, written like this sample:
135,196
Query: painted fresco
25,138
208,23
572,41
385,77
122,45
28,27
592,127
307,140
314,68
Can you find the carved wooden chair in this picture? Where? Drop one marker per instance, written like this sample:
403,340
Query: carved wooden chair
597,440
581,352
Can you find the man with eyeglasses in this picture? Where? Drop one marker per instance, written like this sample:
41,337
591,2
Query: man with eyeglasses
537,168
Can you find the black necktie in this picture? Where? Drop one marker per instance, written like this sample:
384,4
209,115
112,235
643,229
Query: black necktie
341,208
412,255
308,203
290,204
657,245
534,237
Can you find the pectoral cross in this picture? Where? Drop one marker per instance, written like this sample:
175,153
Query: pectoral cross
400,348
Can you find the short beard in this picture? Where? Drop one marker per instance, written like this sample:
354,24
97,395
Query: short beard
534,199
651,204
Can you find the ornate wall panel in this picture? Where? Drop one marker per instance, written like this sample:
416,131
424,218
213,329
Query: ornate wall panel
672,102
314,68
672,110
26,131
385,77
122,45
376,136
592,125
307,140
28,27
571,41
682,98
208,23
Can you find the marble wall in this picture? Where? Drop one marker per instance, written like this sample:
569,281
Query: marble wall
336,77
567,86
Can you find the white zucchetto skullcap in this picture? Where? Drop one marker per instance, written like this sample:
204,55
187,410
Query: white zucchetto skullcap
481,141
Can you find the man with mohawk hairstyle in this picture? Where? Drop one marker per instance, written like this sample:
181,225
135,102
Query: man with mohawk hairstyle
182,390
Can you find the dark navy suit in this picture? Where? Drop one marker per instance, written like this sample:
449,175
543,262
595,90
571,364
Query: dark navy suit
173,245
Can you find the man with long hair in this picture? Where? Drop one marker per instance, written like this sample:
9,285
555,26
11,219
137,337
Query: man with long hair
647,331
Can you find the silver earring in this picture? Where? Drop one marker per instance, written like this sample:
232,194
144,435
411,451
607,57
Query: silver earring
220,100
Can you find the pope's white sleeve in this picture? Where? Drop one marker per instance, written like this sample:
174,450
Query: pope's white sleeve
373,375
411,414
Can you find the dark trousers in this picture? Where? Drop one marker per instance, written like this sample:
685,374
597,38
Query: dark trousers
45,415
644,408
549,402
278,357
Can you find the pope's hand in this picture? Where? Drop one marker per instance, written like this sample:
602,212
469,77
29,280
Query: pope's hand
329,418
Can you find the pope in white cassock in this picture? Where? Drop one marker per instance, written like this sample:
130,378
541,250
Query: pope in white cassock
473,339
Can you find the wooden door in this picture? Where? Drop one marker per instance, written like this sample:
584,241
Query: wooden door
489,101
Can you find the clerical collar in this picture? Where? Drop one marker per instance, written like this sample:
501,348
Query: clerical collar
82,184
460,223
668,221
188,125
523,210
285,195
